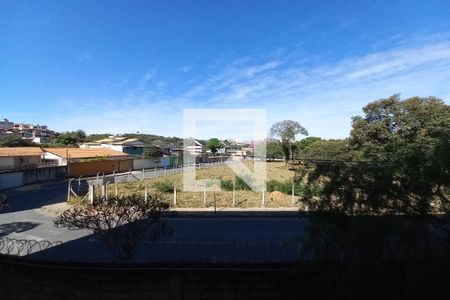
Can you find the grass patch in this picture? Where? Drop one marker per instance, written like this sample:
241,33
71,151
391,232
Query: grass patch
278,193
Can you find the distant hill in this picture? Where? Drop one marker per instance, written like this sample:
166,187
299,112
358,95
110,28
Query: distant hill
151,139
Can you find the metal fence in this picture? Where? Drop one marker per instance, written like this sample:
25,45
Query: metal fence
24,247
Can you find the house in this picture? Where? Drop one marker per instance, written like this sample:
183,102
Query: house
86,162
64,155
133,147
194,148
3,133
6,124
173,150
13,158
35,133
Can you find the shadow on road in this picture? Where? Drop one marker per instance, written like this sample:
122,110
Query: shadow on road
35,196
8,228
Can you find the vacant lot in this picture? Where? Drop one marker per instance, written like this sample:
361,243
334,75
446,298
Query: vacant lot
163,187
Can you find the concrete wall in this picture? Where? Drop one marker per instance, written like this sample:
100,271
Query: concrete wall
90,168
10,180
44,174
20,178
6,163
27,161
145,163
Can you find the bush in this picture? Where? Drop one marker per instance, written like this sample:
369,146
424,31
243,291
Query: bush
240,184
226,185
164,187
300,188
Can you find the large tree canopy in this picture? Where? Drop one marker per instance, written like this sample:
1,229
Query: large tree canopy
12,140
214,144
286,131
397,160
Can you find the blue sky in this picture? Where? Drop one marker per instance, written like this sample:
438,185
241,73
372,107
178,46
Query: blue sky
127,66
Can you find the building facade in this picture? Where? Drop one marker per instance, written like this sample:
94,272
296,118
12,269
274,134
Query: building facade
132,147
16,158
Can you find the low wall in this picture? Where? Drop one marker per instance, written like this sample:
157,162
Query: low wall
145,163
44,174
88,168
26,279
20,178
11,180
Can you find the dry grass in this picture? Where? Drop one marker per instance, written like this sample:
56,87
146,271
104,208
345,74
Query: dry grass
244,198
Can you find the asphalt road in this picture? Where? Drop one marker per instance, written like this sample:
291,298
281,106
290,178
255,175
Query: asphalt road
202,239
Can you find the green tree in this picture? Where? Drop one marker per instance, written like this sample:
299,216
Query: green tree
274,149
79,135
66,138
12,140
400,164
286,131
151,152
214,145
329,150
303,144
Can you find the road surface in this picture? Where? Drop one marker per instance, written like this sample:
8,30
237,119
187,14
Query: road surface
194,239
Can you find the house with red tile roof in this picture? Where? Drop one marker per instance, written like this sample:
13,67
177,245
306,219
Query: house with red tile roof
65,155
13,158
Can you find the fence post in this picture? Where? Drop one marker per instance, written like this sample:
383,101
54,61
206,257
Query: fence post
143,173
79,183
234,193
145,194
173,170
106,191
263,200
204,194
91,193
68,189
174,195
103,191
165,170
98,174
293,193
115,188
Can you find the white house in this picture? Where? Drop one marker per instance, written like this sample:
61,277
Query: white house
195,148
133,147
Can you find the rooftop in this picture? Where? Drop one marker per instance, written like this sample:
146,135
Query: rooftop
85,153
20,151
119,140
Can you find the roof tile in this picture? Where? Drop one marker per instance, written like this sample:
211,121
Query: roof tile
20,151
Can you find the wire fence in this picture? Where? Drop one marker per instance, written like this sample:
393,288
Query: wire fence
105,186
24,247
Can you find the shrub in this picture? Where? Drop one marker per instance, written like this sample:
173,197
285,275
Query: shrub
286,187
240,184
164,187
226,185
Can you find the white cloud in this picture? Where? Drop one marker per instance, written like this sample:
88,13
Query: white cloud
323,97
149,75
